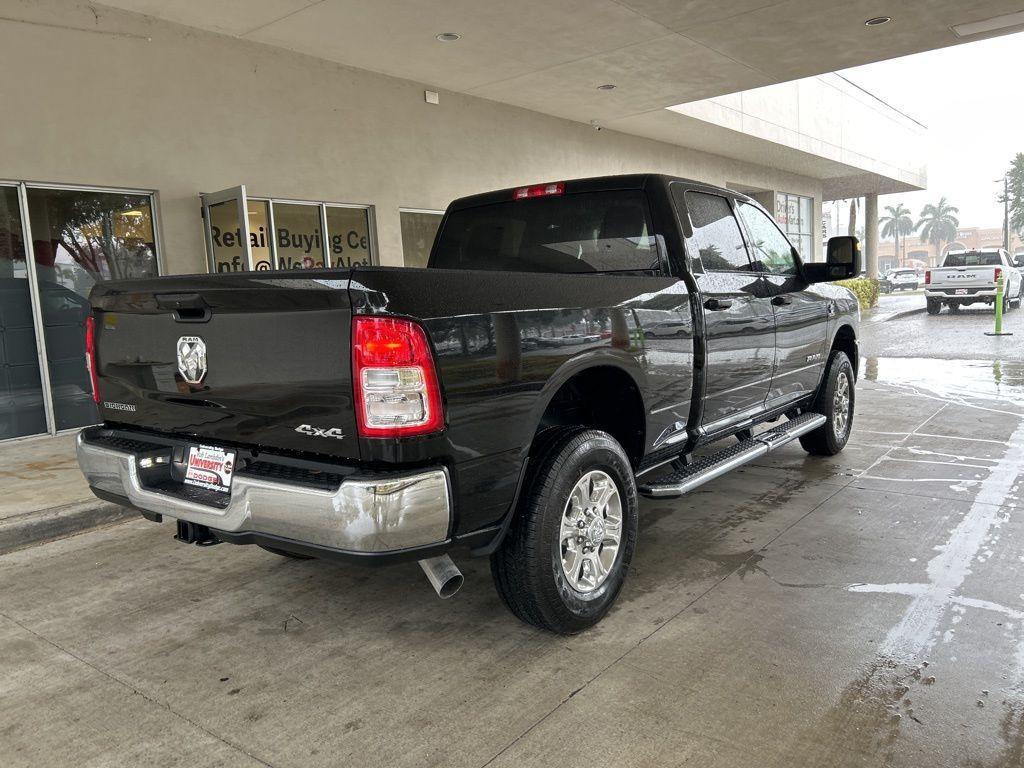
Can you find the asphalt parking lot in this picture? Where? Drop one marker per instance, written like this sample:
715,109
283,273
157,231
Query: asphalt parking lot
861,610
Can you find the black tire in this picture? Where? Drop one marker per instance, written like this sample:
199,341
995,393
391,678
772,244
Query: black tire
527,568
829,439
934,306
954,306
286,553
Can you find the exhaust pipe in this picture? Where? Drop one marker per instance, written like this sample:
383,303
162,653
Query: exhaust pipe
444,575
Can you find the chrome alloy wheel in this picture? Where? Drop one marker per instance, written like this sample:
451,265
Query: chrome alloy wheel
841,407
591,531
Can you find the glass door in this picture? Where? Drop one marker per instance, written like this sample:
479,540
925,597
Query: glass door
22,402
80,237
228,245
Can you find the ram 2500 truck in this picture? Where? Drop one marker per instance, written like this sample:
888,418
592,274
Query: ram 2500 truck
570,347
970,277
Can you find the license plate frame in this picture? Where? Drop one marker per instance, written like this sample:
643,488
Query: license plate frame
960,292
210,467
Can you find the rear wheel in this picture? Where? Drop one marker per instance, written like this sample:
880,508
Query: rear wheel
568,550
934,306
954,306
835,401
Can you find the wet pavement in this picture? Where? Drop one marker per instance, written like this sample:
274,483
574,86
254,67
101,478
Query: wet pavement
959,336
866,609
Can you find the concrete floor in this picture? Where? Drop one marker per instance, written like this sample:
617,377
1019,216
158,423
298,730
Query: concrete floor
861,610
48,463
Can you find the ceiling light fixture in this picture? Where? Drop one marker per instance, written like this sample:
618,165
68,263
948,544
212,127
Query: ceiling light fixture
606,87
448,37
877,21
989,25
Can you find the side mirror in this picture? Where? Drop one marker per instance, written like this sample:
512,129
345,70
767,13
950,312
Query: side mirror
842,261
1018,260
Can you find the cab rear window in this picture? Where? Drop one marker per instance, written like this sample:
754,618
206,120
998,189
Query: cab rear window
972,259
605,232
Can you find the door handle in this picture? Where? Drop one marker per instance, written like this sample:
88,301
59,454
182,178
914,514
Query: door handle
717,304
782,301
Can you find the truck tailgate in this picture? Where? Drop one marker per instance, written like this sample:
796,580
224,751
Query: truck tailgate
269,359
962,277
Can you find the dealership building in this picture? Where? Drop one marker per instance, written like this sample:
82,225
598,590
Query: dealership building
146,137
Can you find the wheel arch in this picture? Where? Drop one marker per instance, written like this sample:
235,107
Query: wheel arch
600,394
845,340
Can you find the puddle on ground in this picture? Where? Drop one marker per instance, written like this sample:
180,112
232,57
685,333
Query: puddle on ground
954,380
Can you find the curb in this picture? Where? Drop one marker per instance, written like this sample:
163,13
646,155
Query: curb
44,525
898,315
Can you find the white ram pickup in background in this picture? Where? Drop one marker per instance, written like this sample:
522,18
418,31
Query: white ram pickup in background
969,277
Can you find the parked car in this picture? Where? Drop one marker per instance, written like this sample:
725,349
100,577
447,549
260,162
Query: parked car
969,277
899,280
376,414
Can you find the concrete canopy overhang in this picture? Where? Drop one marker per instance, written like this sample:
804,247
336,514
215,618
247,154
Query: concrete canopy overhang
550,56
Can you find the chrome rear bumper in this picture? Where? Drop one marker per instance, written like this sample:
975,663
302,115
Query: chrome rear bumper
375,514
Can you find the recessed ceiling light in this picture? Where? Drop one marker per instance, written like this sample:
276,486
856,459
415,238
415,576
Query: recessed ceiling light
606,87
448,37
877,21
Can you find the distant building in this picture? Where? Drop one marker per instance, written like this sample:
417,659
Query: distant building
913,250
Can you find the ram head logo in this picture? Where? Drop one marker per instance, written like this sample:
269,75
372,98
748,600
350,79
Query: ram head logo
192,359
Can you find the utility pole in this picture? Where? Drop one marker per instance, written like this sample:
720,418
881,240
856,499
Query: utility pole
1006,212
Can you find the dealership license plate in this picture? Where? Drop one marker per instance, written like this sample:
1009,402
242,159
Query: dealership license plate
960,292
210,467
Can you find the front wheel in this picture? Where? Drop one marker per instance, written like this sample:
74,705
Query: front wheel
835,402
569,547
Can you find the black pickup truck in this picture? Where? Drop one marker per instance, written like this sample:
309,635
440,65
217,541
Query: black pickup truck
570,347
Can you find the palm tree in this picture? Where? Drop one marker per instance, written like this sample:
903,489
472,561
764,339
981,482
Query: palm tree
939,224
896,225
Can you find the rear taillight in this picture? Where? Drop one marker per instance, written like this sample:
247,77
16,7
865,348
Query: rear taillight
998,273
927,277
396,388
540,190
91,361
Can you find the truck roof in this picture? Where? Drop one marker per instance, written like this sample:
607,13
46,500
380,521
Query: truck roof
590,184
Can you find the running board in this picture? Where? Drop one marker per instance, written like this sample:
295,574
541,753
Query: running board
708,468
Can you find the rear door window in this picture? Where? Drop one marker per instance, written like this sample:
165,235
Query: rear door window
605,232
716,239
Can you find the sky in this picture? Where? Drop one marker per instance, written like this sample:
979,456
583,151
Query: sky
969,97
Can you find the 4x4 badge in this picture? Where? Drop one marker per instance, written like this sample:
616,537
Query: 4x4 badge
309,429
192,359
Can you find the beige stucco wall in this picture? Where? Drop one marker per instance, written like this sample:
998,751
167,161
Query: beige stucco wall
99,97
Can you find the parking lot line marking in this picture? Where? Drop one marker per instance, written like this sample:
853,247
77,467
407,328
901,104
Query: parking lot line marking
948,570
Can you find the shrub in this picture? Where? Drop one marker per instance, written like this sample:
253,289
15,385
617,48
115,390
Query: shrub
865,289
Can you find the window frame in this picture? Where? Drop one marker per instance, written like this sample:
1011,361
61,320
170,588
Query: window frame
799,232
22,187
322,206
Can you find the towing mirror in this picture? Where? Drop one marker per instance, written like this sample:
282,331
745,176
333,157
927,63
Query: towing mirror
842,261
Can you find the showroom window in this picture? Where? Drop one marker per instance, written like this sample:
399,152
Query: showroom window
795,214
419,226
75,238
285,234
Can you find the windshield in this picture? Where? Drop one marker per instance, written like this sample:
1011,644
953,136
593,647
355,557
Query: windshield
972,259
586,232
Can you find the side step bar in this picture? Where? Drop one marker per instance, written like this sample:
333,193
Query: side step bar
708,468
